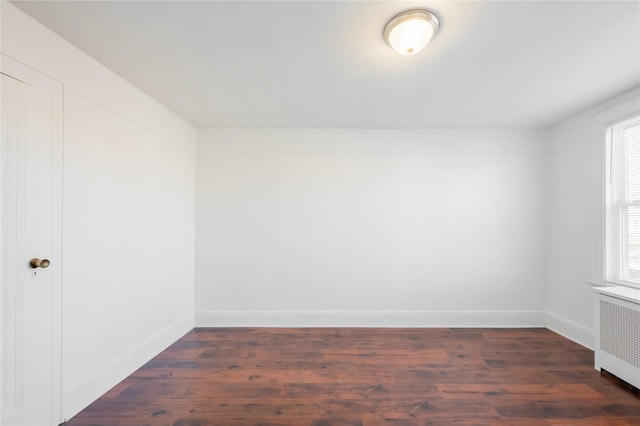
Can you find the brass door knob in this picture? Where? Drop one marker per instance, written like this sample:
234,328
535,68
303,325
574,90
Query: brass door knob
39,263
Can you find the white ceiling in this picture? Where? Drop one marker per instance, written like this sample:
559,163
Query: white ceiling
324,64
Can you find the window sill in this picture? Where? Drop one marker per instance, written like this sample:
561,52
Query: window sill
613,284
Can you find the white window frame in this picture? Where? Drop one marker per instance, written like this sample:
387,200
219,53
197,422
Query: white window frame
616,239
618,110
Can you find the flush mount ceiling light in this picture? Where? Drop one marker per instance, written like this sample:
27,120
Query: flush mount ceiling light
409,32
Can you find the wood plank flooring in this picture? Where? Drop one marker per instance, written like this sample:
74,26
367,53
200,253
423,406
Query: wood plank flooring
357,376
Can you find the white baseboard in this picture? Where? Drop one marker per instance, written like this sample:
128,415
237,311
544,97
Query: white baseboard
570,330
115,371
370,319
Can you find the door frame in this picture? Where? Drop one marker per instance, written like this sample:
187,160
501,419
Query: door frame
30,76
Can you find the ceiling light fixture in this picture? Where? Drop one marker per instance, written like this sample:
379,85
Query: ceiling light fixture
409,32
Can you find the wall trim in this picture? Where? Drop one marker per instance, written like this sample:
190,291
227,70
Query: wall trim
119,368
370,319
571,330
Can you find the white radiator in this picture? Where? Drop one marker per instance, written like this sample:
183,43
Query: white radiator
617,339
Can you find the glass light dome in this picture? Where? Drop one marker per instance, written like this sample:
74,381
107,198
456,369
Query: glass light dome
410,31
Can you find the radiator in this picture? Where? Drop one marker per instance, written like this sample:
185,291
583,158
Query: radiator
617,339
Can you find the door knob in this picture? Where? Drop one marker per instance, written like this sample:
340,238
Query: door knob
39,263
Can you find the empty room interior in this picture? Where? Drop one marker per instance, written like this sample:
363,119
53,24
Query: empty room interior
320,213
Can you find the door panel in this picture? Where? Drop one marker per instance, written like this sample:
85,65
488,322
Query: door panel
29,298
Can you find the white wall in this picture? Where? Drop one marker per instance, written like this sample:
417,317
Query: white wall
575,220
128,225
370,227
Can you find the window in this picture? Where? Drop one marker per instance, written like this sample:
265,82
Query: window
622,190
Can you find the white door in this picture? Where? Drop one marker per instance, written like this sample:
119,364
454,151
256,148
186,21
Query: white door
30,320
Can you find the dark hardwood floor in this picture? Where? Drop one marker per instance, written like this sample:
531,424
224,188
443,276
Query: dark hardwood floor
351,376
